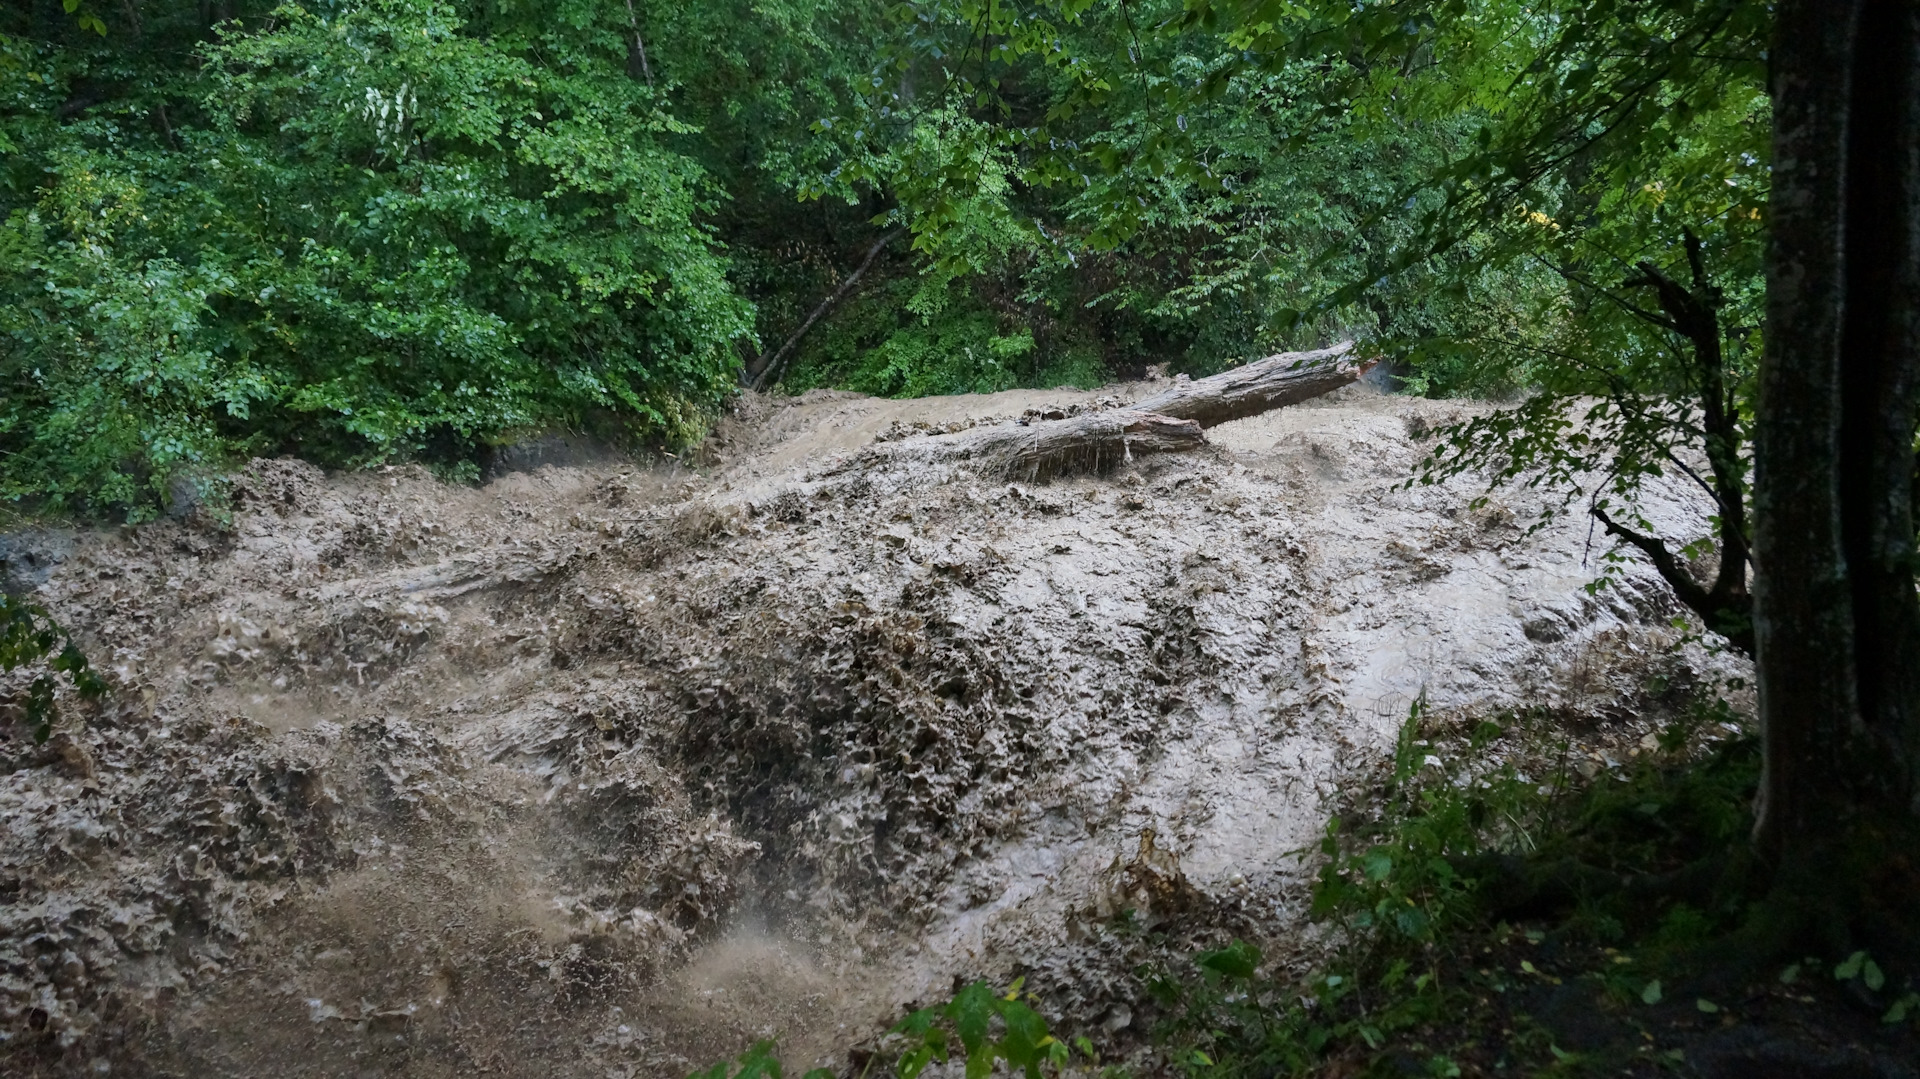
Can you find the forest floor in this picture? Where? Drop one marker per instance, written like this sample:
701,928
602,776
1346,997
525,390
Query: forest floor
609,768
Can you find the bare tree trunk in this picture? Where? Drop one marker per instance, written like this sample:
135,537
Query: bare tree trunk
1279,380
1724,604
1167,422
637,67
1837,622
1092,442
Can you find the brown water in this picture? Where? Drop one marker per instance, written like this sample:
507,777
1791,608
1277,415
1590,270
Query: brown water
611,770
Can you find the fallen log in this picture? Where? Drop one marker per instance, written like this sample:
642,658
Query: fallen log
1091,442
1261,386
1164,423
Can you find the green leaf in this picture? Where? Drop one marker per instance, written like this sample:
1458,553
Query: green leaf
759,1062
1850,968
1707,1006
29,635
1026,1036
1237,960
917,1023
980,1062
970,1012
1651,994
914,1061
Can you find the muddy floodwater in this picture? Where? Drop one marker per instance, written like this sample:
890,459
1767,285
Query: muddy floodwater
608,769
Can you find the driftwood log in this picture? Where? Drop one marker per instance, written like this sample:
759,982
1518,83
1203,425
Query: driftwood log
1092,442
1261,386
1166,422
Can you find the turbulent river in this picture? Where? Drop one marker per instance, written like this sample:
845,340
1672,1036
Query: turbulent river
609,769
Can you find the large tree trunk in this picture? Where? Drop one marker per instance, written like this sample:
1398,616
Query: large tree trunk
1880,392
1837,622
1283,379
1093,442
1167,422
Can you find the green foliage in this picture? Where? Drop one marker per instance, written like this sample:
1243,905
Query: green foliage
1507,198
355,230
1617,391
367,229
972,1019
1429,972
981,1028
1057,161
906,340
1617,169
1238,1022
28,635
758,1062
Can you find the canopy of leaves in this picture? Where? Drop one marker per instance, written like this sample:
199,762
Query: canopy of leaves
352,230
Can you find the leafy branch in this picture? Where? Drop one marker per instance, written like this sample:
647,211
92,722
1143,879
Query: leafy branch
970,1016
29,635
964,1027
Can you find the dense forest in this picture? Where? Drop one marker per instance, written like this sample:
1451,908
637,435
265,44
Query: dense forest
366,232
280,283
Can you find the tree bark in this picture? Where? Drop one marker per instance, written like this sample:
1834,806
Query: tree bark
1260,386
1880,390
1836,618
1093,442
637,67
1165,423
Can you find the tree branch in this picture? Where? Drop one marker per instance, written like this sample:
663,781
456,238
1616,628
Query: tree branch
1726,613
639,50
770,370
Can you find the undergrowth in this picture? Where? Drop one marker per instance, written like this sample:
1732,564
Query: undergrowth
1479,897
1489,921
29,637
